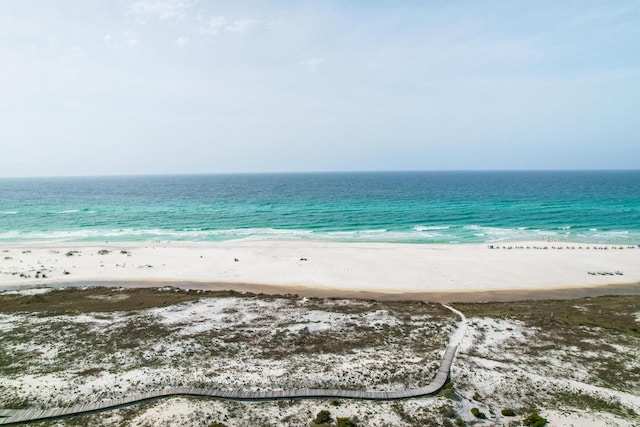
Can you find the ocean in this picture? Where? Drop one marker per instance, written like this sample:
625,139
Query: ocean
404,207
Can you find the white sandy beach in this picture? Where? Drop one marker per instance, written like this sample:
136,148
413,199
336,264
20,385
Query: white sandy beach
362,267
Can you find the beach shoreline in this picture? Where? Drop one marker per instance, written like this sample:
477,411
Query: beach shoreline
376,270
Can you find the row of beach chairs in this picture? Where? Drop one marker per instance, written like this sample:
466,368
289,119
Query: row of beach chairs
605,273
604,248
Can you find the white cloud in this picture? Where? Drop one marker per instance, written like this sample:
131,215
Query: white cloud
181,41
163,10
215,25
110,41
131,39
312,64
241,25
220,24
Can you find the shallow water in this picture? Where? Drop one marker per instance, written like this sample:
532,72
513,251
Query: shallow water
419,207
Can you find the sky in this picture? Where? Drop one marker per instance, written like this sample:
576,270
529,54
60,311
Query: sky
197,86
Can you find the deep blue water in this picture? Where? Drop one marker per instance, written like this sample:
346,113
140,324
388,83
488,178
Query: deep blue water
427,207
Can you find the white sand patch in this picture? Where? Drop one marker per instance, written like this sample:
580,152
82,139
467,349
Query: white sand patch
381,317
173,412
112,297
585,419
27,292
188,412
382,267
8,322
315,321
494,333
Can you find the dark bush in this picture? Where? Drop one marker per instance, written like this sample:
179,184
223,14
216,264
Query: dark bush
448,391
345,422
447,411
478,414
508,412
535,420
323,417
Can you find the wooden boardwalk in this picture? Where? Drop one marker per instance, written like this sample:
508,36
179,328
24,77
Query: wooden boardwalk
21,416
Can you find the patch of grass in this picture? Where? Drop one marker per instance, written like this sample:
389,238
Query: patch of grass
606,312
345,422
97,299
448,391
534,420
597,404
508,412
90,371
587,332
323,417
447,411
478,413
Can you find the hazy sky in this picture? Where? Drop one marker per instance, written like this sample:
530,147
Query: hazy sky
199,86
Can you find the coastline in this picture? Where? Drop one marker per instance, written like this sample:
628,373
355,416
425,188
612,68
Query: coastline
460,272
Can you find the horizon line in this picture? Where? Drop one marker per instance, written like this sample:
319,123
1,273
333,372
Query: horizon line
316,172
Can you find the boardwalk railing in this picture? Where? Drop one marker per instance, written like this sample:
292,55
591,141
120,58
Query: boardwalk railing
20,416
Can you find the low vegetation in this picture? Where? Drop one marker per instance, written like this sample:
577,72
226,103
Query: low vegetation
534,420
552,353
613,313
323,418
94,337
78,345
478,414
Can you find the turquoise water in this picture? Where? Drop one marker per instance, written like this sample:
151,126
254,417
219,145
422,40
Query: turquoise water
420,207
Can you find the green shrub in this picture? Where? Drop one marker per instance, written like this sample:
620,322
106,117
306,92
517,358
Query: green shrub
535,420
508,412
460,422
103,252
323,417
447,411
478,414
448,391
345,422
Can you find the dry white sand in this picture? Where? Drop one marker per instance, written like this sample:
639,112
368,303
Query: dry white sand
366,267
